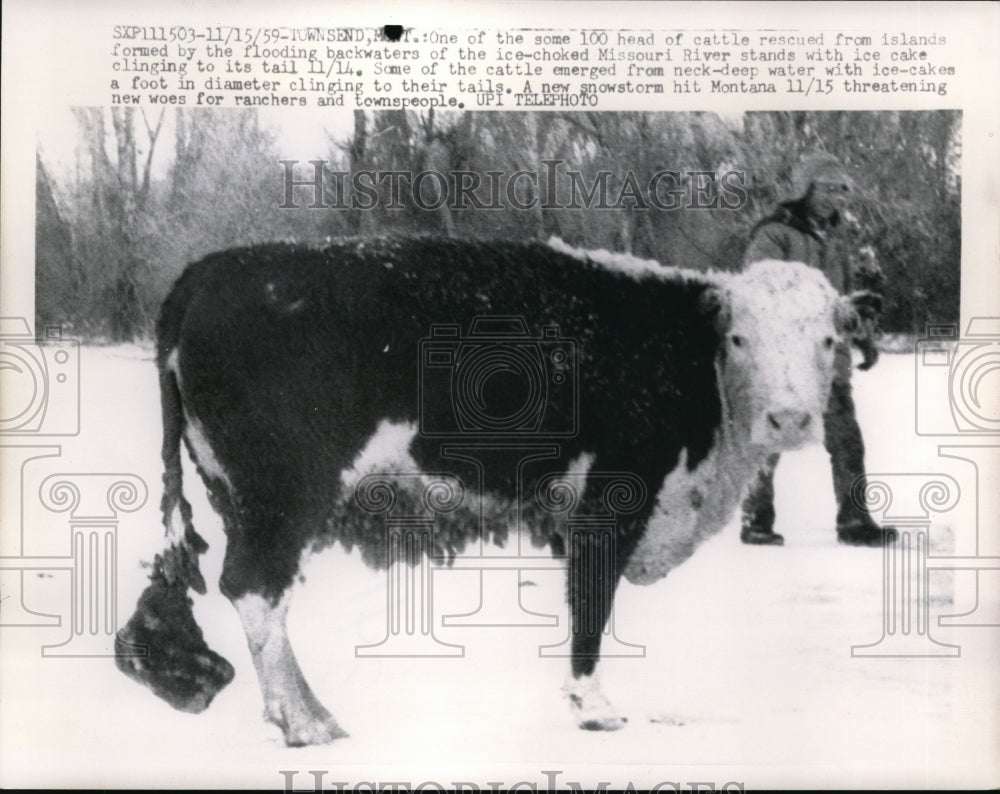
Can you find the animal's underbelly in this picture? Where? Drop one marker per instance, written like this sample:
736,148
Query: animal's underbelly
393,518
393,510
690,507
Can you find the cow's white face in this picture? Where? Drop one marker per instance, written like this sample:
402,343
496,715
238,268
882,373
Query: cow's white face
780,325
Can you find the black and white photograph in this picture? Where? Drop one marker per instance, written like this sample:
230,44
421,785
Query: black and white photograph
491,402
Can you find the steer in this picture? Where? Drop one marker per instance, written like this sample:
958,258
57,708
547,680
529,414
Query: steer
284,368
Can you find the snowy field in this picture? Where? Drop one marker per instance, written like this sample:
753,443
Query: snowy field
747,676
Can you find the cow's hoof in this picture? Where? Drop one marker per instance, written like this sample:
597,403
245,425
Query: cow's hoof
593,711
318,731
865,534
761,537
607,722
303,719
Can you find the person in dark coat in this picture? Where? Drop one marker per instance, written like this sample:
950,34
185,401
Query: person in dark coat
805,230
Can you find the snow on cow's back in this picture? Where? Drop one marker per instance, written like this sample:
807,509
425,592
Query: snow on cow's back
629,264
783,290
790,293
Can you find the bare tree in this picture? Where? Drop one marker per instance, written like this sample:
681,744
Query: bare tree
120,194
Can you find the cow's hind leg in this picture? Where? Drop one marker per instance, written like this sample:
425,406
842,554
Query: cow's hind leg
258,572
288,701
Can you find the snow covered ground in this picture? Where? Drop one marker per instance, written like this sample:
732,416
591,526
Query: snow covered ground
747,676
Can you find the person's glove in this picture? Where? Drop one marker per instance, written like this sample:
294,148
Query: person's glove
868,306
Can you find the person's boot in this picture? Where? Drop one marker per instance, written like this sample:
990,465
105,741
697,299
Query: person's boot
758,536
842,438
858,532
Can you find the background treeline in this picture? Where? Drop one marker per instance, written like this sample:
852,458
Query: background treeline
113,231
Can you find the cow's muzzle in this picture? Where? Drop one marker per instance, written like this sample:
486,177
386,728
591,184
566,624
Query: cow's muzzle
785,428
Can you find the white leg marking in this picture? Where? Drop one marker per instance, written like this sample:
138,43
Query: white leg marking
288,701
593,711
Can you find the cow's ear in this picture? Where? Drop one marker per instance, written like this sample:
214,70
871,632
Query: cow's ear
715,307
845,316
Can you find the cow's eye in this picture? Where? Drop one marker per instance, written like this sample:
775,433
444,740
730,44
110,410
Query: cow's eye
829,342
737,340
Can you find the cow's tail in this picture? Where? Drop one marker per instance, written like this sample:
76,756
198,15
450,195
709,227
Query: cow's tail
162,646
179,561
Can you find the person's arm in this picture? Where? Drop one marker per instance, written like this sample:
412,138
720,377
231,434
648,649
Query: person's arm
770,241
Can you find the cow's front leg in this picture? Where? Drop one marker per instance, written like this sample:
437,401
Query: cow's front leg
288,701
596,559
